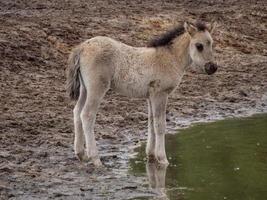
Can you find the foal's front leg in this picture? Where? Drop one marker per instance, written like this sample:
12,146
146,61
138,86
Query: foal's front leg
151,140
158,103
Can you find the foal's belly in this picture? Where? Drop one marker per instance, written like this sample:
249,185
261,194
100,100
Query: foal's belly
131,88
131,84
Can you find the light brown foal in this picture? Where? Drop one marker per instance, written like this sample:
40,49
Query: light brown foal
151,72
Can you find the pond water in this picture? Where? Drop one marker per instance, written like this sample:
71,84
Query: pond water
220,160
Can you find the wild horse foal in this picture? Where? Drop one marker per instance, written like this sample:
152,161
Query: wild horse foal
152,72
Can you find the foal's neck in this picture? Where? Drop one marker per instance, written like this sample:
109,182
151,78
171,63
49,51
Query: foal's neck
180,49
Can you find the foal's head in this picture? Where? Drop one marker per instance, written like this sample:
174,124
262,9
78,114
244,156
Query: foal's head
200,48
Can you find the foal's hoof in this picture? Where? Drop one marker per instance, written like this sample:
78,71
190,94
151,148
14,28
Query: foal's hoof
82,156
97,163
151,158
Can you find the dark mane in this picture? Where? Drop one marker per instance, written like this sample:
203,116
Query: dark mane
201,26
166,38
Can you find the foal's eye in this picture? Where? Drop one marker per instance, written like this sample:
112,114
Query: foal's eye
199,47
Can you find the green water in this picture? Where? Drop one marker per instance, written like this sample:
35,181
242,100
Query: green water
221,160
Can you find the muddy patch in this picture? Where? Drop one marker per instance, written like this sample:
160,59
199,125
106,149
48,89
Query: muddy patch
36,127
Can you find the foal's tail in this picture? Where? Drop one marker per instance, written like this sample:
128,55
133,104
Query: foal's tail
74,74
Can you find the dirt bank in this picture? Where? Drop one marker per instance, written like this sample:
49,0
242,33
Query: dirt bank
36,152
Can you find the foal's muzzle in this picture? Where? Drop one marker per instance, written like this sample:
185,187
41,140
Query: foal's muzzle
210,68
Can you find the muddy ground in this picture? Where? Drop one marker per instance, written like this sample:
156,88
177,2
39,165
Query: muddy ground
36,128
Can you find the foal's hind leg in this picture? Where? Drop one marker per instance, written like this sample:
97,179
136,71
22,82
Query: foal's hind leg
151,140
79,137
95,92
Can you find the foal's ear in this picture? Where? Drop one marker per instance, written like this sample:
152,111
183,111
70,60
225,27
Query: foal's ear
190,28
212,26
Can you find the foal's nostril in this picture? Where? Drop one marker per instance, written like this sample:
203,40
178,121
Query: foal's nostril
213,68
210,68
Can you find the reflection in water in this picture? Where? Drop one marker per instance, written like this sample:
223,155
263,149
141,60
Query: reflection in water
220,160
156,176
